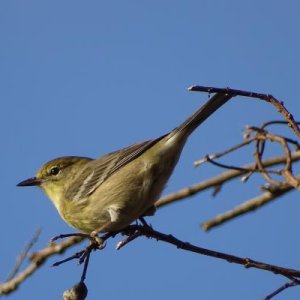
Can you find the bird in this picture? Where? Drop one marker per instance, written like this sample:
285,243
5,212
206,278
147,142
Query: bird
107,194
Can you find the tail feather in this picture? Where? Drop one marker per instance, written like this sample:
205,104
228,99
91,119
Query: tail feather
190,124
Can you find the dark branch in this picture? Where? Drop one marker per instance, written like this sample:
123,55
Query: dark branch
266,97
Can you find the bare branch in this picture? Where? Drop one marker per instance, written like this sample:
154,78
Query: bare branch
218,155
38,258
247,207
219,180
266,97
23,255
149,232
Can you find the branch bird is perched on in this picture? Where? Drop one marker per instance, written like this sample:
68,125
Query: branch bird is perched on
108,193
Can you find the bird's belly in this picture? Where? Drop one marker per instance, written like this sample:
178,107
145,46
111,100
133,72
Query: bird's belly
128,193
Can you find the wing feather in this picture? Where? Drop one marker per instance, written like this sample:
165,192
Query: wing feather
99,170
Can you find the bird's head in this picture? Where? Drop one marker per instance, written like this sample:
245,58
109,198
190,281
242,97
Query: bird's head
55,176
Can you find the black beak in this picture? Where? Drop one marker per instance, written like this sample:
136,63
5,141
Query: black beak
30,182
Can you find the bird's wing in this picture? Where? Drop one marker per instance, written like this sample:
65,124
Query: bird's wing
98,170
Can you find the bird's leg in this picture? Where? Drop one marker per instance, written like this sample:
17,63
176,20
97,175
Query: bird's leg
96,243
99,241
150,211
144,223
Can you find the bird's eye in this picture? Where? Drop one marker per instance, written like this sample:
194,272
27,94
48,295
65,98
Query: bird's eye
54,171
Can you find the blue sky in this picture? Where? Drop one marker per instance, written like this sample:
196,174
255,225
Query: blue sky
89,77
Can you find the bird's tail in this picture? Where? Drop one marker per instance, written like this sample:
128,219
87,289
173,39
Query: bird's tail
190,124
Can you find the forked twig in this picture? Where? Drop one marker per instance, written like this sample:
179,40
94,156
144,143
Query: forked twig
219,180
266,97
23,255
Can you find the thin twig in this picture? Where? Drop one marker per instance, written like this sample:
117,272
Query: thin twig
282,288
244,170
246,262
247,206
276,122
266,97
37,259
227,151
23,255
127,240
218,180
287,171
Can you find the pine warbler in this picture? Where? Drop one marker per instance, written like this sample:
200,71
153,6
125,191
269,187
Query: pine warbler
108,193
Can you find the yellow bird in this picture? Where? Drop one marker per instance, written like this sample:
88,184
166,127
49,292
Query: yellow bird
108,193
